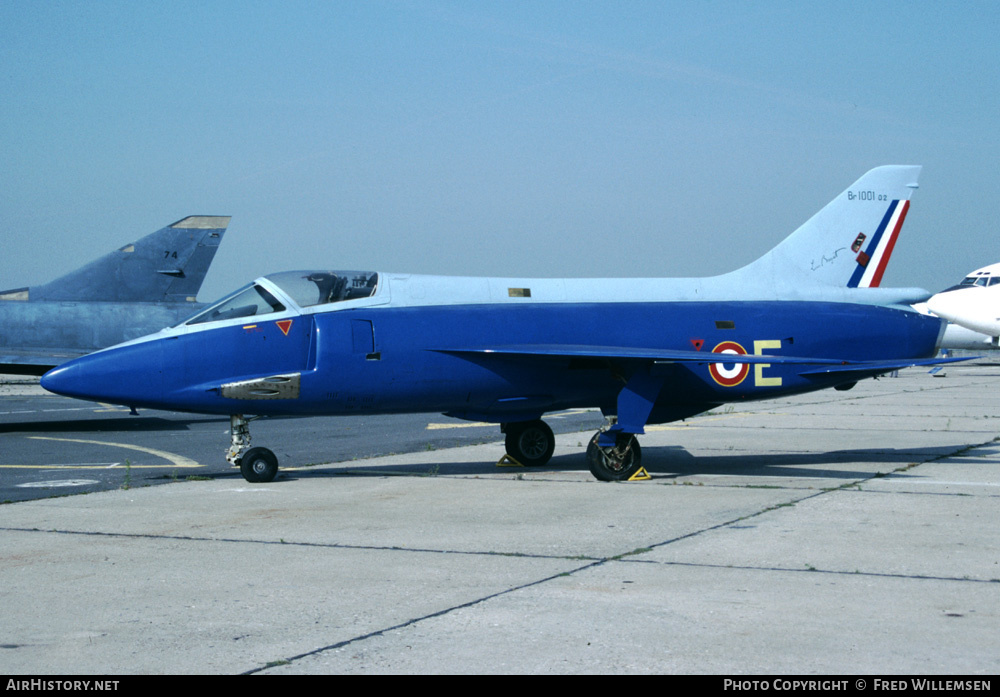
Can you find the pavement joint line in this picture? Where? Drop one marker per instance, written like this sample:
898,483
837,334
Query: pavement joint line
626,557
287,543
956,494
814,570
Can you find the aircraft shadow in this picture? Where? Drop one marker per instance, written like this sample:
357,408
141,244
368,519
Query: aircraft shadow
835,464
665,463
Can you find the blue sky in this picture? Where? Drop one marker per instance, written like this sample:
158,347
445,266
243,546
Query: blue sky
491,138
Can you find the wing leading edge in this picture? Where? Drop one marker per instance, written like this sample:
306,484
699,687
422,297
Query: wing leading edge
818,367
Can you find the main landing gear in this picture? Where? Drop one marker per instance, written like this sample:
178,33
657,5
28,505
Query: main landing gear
614,456
257,465
531,443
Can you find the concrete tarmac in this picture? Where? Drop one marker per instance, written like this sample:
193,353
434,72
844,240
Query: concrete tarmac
834,533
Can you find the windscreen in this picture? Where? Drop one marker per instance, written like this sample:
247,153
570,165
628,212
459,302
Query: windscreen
247,302
976,281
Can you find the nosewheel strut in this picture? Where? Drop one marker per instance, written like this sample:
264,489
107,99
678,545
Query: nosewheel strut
257,465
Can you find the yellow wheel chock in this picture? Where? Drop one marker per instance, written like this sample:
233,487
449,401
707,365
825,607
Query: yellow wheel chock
508,461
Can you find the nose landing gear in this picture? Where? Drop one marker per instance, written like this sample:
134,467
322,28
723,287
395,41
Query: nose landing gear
257,465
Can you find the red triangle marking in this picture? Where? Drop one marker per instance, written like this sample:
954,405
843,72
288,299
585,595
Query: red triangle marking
284,325
697,343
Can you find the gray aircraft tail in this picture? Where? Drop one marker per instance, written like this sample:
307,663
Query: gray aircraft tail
848,243
168,265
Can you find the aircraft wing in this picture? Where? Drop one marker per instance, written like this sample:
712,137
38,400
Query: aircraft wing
823,366
867,369
34,362
631,353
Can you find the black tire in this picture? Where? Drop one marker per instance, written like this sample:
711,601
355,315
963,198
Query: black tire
615,464
259,465
530,442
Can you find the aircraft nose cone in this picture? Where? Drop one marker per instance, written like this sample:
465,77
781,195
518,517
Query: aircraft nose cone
129,375
62,380
947,305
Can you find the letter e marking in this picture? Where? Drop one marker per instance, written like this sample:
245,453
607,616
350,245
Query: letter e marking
758,370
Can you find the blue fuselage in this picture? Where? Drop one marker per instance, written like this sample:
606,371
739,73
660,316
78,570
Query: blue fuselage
438,358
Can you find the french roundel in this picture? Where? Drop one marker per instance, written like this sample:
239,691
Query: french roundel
729,374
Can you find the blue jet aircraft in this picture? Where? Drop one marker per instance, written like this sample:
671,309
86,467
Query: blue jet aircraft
806,316
136,290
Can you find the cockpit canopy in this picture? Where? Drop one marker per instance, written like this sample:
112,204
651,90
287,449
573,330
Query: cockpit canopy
309,288
304,288
979,280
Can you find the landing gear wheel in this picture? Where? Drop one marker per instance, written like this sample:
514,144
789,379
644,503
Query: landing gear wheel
615,464
530,442
259,465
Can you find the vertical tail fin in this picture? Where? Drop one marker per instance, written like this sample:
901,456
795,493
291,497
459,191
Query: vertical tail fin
849,242
168,265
